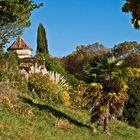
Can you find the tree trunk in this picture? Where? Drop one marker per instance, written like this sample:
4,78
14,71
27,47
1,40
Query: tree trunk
106,125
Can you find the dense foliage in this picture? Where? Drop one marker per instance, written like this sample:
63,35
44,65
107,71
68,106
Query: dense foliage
74,62
54,64
133,6
129,52
14,17
13,79
9,61
107,92
132,108
42,44
51,87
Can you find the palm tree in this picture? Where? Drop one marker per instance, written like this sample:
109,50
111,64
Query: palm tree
107,92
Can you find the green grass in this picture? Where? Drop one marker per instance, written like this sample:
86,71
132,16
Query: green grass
16,127
19,125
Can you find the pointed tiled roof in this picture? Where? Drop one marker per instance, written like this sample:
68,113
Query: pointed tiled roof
19,44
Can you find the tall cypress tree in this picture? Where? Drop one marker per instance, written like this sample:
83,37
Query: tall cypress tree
42,44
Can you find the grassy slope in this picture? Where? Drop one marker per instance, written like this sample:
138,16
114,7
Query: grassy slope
20,125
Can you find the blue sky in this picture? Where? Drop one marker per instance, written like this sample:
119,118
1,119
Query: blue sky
69,23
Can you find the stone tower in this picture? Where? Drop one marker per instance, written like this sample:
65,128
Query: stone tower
22,49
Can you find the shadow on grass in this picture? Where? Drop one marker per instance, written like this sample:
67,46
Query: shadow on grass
56,113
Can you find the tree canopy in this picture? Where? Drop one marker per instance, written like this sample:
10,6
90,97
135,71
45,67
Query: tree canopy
74,62
133,6
14,17
129,51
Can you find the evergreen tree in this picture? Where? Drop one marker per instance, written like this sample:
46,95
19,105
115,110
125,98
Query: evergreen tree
42,45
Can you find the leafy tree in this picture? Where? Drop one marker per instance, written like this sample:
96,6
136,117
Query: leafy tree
14,17
107,93
42,45
74,62
129,51
133,6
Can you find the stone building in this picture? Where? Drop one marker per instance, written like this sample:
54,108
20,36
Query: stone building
28,64
22,49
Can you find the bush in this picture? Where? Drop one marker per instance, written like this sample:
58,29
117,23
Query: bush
9,61
14,79
72,80
132,108
54,64
49,87
78,99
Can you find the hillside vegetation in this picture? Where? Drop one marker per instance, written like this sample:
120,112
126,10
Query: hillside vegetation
77,97
25,118
57,106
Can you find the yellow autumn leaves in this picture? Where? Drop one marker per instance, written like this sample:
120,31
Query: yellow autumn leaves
134,72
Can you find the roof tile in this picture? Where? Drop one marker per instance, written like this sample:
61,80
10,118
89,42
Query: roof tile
19,44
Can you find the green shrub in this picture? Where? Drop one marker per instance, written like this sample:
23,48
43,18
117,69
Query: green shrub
3,76
132,108
78,95
9,61
72,80
54,64
14,79
48,87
